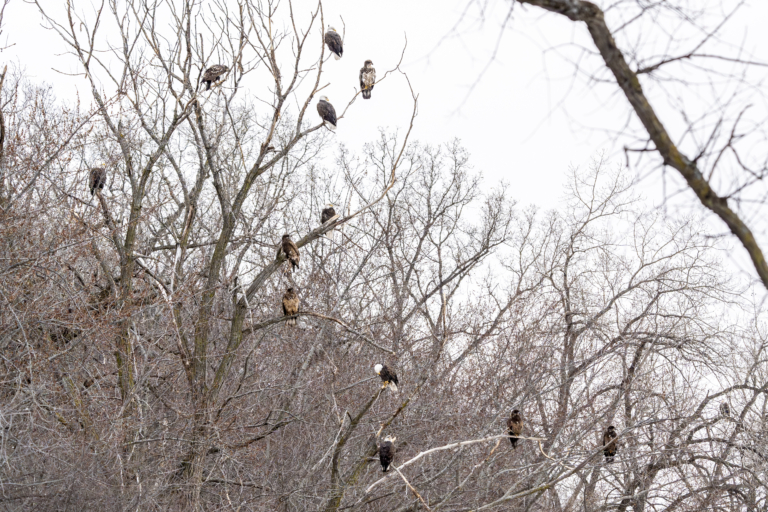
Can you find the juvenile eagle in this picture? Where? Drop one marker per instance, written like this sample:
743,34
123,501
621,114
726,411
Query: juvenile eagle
97,179
609,444
367,79
291,251
387,376
327,112
725,410
387,452
333,40
327,214
290,305
212,74
514,427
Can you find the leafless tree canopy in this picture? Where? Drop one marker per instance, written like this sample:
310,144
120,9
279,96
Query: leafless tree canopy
146,363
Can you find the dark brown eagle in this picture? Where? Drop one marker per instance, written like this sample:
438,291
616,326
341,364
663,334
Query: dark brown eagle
609,443
291,251
367,79
725,409
327,214
514,427
388,376
387,452
327,112
290,305
97,179
212,74
333,40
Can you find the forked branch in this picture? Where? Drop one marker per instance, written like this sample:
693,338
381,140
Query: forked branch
592,16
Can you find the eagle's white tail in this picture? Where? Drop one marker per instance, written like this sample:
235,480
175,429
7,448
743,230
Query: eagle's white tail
336,56
393,386
331,126
329,233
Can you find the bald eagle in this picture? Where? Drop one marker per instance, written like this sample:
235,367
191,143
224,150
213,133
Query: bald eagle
514,427
327,214
388,376
291,251
367,79
97,179
327,112
290,305
333,40
212,74
387,452
609,443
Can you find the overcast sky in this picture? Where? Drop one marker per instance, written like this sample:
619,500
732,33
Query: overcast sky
526,121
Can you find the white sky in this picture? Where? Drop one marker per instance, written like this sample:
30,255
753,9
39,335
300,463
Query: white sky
525,122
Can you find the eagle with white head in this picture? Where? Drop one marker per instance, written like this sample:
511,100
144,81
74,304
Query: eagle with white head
327,112
388,376
333,40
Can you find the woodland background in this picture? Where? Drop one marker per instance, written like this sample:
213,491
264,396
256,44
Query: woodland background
145,363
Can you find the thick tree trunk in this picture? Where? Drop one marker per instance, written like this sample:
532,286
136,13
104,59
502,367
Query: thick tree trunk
195,461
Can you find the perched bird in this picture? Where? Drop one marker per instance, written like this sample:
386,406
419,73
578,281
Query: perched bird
327,112
290,305
387,376
333,40
367,79
291,251
98,178
327,214
725,409
514,427
212,74
387,452
609,443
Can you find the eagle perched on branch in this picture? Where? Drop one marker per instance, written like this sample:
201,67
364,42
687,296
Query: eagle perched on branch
327,112
387,452
333,40
97,179
514,427
327,214
212,74
290,305
291,251
609,443
367,79
387,376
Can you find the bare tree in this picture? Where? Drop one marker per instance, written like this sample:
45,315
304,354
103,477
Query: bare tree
194,184
679,50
